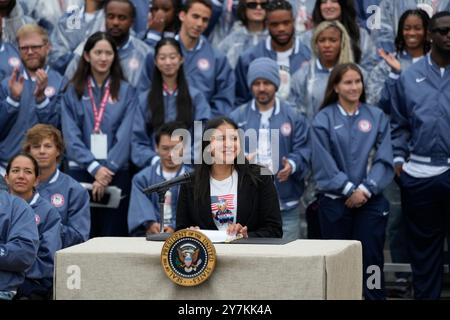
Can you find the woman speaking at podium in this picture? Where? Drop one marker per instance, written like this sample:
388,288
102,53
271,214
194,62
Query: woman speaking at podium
228,193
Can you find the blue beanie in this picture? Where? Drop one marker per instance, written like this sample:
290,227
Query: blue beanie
263,68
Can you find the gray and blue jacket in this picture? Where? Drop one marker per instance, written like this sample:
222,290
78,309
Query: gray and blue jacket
299,55
9,58
48,223
144,209
72,202
71,30
143,145
390,13
16,117
19,240
78,125
293,144
131,55
351,150
207,70
420,114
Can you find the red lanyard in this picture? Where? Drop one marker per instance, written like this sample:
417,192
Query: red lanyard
168,91
98,114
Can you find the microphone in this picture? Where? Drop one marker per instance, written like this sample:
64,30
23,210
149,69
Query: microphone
165,185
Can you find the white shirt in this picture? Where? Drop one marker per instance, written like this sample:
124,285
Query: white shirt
168,198
224,200
264,142
285,75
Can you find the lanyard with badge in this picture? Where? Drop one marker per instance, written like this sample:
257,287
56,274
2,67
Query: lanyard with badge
99,141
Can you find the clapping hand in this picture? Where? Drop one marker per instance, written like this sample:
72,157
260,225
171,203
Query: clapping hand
16,84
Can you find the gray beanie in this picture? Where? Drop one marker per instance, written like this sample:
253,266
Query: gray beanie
263,68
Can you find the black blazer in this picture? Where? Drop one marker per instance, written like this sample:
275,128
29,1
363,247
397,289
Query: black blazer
258,208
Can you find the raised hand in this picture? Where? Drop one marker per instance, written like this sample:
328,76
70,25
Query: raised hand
390,59
41,85
157,22
16,84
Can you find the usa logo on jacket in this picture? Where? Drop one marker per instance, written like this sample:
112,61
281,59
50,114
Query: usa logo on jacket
203,64
286,129
50,92
365,126
14,62
57,200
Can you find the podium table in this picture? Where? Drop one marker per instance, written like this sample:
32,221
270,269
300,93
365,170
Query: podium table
130,268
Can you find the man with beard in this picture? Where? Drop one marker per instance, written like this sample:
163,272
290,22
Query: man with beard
119,18
28,96
281,46
420,126
285,154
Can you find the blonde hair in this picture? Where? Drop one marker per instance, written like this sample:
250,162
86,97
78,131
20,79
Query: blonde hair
28,29
346,52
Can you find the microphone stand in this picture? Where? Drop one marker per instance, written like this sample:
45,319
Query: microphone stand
161,190
161,236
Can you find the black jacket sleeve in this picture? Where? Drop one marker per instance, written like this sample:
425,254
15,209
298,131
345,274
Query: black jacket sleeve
268,210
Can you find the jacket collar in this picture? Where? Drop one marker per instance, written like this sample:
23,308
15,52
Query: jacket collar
296,46
27,77
277,106
344,113
181,171
34,199
199,45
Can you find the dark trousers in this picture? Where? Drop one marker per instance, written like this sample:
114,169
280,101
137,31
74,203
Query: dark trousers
108,222
396,228
32,289
366,224
426,203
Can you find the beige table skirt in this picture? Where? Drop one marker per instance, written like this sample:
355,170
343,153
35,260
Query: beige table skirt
130,268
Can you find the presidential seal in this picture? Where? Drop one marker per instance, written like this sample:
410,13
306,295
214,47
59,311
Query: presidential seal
188,258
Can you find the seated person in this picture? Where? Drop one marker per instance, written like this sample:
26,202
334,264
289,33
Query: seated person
19,242
45,144
22,176
211,200
144,215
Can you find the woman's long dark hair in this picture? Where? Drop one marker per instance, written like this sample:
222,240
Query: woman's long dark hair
348,19
80,77
400,44
203,170
331,96
185,110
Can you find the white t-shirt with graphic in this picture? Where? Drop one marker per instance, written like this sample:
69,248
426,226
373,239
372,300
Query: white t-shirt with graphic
224,200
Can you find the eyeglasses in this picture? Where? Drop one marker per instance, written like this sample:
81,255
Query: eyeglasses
442,31
254,5
34,48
